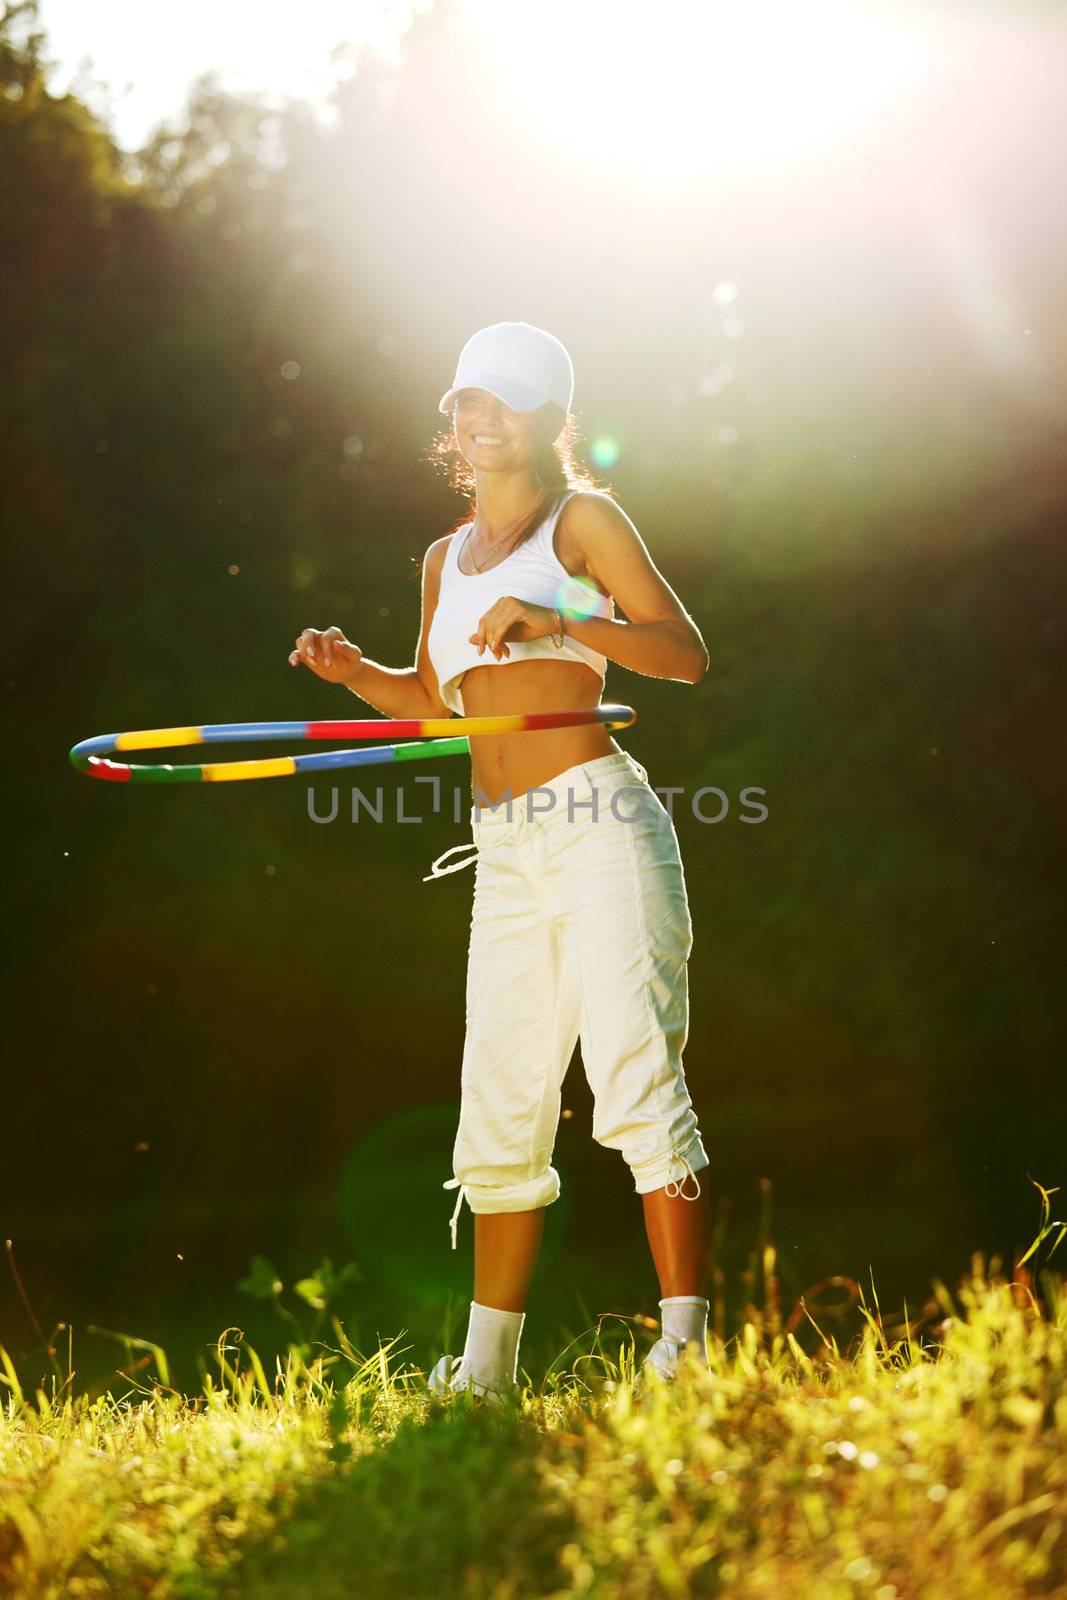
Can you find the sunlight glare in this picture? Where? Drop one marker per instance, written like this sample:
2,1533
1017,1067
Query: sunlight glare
698,92
101,50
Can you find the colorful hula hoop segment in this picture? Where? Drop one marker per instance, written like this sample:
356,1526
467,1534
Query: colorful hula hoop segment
430,736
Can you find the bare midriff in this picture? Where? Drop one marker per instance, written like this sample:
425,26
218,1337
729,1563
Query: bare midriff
520,761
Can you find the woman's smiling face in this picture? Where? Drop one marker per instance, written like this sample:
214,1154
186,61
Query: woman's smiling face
491,435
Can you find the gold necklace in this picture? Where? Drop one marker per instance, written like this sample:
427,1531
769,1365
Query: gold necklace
470,530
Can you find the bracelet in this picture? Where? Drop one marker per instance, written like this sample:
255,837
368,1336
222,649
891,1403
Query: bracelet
558,642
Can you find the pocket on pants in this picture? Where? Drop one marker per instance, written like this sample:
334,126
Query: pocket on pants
628,854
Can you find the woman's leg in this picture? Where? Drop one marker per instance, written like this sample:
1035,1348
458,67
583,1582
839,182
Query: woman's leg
522,1026
628,936
506,1247
679,1232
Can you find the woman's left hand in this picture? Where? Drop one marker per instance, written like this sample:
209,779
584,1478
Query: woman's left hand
520,620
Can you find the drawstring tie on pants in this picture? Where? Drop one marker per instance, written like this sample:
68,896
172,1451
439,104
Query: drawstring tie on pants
454,1183
678,1190
524,825
437,871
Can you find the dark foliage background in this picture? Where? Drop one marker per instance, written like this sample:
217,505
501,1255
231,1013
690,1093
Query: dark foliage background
228,1029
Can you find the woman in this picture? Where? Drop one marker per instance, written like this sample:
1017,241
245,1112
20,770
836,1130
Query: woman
580,925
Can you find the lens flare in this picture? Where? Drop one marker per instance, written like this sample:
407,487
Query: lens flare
577,598
604,452
394,1210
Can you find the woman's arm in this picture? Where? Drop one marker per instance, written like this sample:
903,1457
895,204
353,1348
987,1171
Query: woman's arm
661,639
408,691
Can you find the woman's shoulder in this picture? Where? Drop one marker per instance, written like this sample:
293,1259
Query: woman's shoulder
438,549
583,503
582,509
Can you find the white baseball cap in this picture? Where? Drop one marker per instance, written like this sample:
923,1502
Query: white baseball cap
523,366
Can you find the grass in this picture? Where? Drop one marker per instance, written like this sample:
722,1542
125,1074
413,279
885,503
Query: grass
927,1458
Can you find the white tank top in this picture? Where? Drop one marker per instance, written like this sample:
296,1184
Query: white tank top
532,572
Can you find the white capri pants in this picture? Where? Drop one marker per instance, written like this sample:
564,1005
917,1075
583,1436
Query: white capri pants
580,928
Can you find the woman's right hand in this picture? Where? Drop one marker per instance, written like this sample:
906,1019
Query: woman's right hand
328,654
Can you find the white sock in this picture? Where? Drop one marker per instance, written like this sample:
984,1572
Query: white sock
491,1353
685,1317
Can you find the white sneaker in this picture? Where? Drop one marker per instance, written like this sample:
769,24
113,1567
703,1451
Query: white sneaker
450,1375
661,1363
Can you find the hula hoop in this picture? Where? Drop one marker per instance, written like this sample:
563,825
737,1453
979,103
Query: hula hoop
439,732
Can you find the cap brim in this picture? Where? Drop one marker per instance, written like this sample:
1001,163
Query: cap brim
514,394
